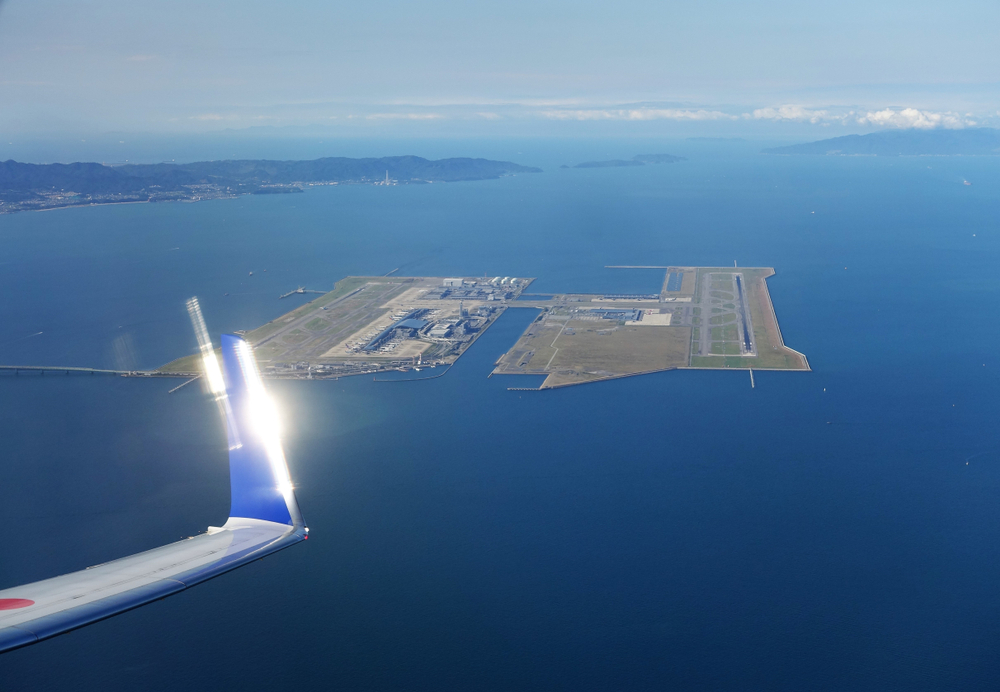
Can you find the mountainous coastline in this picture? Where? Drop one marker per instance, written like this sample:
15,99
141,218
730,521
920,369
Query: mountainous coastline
26,186
969,142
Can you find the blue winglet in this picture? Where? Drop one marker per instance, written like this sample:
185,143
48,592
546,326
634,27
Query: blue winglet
261,487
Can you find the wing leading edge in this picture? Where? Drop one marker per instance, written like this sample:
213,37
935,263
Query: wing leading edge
264,517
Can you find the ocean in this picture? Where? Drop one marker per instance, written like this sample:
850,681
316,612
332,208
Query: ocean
831,530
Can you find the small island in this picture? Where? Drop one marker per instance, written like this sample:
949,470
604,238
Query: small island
28,186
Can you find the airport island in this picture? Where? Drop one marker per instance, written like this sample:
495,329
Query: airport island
702,318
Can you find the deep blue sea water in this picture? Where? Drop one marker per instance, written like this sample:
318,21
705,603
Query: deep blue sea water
831,530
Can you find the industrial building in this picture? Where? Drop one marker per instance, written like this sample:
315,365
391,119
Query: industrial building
616,313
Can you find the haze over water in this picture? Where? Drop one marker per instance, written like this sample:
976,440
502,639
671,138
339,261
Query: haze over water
838,529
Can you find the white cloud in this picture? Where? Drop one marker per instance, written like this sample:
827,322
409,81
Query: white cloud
905,118
404,116
911,118
637,114
791,112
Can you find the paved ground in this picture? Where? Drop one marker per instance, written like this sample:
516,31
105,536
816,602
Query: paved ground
733,303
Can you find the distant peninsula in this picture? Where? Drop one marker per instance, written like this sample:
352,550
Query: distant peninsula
978,141
28,186
640,160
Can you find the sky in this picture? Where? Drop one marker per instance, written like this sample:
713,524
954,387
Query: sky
493,68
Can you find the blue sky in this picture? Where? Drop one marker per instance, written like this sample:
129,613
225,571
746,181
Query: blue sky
390,67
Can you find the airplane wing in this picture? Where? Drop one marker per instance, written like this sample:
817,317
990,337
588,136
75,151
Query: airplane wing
264,517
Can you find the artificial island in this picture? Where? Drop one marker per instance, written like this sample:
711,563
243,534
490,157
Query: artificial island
702,318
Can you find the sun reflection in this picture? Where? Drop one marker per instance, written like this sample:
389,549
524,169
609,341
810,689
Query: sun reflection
264,418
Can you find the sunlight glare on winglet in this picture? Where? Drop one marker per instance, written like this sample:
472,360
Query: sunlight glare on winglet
265,419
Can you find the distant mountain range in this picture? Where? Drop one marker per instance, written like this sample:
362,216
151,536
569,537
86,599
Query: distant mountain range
44,186
969,142
640,160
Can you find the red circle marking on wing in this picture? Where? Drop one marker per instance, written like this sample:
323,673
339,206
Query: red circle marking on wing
14,603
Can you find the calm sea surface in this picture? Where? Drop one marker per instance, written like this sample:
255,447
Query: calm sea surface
835,530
